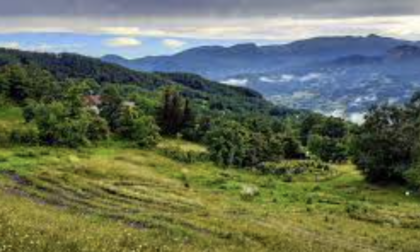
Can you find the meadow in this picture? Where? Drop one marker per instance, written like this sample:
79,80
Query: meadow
113,197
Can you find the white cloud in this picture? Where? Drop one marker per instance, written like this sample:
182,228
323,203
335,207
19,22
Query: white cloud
10,45
123,42
236,82
267,79
282,79
173,43
312,77
131,31
282,29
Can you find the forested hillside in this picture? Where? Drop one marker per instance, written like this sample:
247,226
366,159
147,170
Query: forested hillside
72,66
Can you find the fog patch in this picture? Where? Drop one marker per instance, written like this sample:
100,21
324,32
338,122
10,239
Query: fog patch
236,82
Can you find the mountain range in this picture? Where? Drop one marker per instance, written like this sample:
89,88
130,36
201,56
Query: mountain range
341,76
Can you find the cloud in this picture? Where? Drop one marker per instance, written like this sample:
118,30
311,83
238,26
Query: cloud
10,45
206,8
173,43
236,82
277,29
131,31
123,42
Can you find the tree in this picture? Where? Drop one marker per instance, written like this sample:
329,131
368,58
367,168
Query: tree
27,82
331,127
327,149
385,146
290,147
258,149
176,113
133,125
145,132
228,143
307,125
67,122
98,129
111,104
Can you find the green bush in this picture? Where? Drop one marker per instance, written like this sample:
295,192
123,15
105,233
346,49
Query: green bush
413,177
28,135
293,167
98,129
145,132
228,143
327,149
188,157
66,124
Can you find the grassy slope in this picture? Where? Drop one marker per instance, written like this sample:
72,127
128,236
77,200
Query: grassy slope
117,199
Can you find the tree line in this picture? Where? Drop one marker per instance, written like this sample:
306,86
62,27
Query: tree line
57,113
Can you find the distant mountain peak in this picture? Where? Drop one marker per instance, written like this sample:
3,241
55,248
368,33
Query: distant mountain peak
219,62
372,35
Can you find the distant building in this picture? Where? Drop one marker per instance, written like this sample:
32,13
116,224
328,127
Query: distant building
93,102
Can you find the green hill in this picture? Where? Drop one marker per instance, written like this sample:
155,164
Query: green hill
73,66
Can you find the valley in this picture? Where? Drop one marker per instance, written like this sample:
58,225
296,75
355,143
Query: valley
338,76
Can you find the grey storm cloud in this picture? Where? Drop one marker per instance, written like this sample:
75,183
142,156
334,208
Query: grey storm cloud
216,8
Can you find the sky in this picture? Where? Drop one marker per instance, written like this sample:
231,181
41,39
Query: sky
138,28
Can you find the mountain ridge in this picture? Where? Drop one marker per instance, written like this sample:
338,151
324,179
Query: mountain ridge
332,75
218,62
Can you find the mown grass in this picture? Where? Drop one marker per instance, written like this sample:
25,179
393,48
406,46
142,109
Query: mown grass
118,199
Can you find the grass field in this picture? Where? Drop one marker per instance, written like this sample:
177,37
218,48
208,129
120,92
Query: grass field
114,198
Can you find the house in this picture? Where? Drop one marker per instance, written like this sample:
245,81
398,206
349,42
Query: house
93,102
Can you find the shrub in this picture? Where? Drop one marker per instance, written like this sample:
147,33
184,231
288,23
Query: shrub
327,149
188,157
98,129
228,143
28,135
292,167
71,133
66,125
145,132
413,177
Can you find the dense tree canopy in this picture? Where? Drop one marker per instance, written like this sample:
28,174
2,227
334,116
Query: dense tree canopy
386,147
